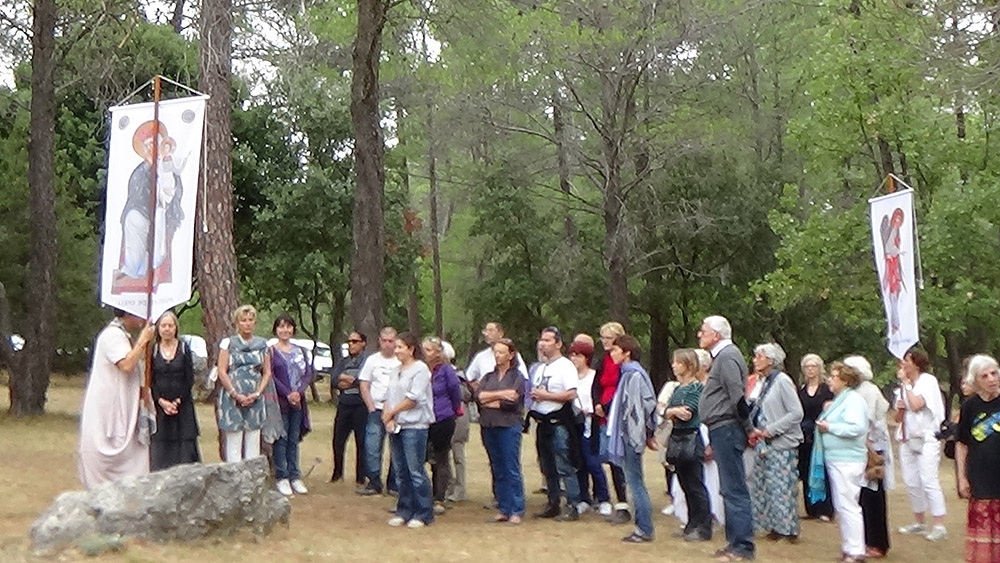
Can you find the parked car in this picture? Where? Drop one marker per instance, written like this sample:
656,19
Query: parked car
322,359
17,342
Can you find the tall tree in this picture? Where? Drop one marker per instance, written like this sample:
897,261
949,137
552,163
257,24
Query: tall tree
30,379
368,251
216,255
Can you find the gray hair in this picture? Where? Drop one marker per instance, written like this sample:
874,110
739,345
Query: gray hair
773,352
813,358
704,358
719,324
978,363
860,365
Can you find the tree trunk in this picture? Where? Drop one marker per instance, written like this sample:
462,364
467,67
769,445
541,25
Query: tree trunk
435,228
562,160
368,252
177,20
413,291
216,254
29,385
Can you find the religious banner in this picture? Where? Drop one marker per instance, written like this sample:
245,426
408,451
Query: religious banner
133,208
892,234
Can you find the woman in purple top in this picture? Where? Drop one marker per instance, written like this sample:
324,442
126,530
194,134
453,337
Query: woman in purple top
292,373
447,407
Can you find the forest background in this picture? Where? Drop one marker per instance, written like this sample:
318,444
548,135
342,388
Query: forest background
546,162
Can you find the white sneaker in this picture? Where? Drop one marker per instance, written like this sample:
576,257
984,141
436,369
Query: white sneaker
582,507
396,521
299,487
668,510
415,524
938,533
916,529
604,509
284,487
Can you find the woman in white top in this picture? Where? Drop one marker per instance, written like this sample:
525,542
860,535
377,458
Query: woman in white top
580,353
920,410
407,414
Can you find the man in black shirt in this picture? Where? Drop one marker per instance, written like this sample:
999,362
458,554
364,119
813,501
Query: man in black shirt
351,411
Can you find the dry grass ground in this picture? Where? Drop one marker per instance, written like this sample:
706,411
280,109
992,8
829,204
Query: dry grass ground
334,524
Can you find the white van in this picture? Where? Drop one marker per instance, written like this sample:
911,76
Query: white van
322,359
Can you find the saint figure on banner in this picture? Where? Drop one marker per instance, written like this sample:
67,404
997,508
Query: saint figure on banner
130,277
892,280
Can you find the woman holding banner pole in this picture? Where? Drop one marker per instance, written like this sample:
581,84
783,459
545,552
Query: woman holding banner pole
109,441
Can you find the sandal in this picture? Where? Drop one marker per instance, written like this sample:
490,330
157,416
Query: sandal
874,553
498,518
730,556
514,520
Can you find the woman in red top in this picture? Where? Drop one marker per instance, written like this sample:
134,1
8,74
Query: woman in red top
603,391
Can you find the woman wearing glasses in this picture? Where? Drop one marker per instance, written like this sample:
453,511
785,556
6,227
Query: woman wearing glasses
813,394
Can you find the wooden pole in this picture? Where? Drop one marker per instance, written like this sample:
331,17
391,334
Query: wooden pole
151,236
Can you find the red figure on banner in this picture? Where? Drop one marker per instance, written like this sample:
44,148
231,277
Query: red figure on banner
892,282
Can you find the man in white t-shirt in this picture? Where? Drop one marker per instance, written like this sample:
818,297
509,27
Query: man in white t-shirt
375,375
484,362
919,400
553,391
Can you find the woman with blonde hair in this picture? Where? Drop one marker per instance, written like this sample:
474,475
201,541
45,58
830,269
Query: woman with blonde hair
603,391
813,394
244,372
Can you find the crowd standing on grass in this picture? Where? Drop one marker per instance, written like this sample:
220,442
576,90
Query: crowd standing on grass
736,444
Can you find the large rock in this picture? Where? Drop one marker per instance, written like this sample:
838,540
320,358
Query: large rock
183,502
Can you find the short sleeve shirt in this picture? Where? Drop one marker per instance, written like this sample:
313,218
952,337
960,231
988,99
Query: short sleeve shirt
379,372
556,376
979,429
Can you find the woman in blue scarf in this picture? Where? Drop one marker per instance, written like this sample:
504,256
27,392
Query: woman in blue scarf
841,443
631,423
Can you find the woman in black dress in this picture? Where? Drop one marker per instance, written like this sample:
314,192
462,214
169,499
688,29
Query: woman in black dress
813,394
176,438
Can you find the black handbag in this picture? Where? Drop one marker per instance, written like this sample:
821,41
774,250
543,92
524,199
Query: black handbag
684,447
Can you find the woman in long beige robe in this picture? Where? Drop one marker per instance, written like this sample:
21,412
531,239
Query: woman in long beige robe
109,444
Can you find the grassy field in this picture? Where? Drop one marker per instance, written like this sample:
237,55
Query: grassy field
333,524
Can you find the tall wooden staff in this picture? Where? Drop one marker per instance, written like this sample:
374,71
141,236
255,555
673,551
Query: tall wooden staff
151,241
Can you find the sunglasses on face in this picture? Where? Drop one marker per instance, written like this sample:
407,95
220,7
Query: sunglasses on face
355,341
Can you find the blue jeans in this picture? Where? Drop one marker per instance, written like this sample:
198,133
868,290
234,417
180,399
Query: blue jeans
641,505
374,444
503,445
592,470
554,457
728,443
409,453
286,448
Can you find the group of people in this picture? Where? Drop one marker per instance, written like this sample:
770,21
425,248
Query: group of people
736,441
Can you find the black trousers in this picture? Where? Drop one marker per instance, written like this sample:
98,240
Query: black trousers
824,507
438,451
691,478
349,418
875,511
